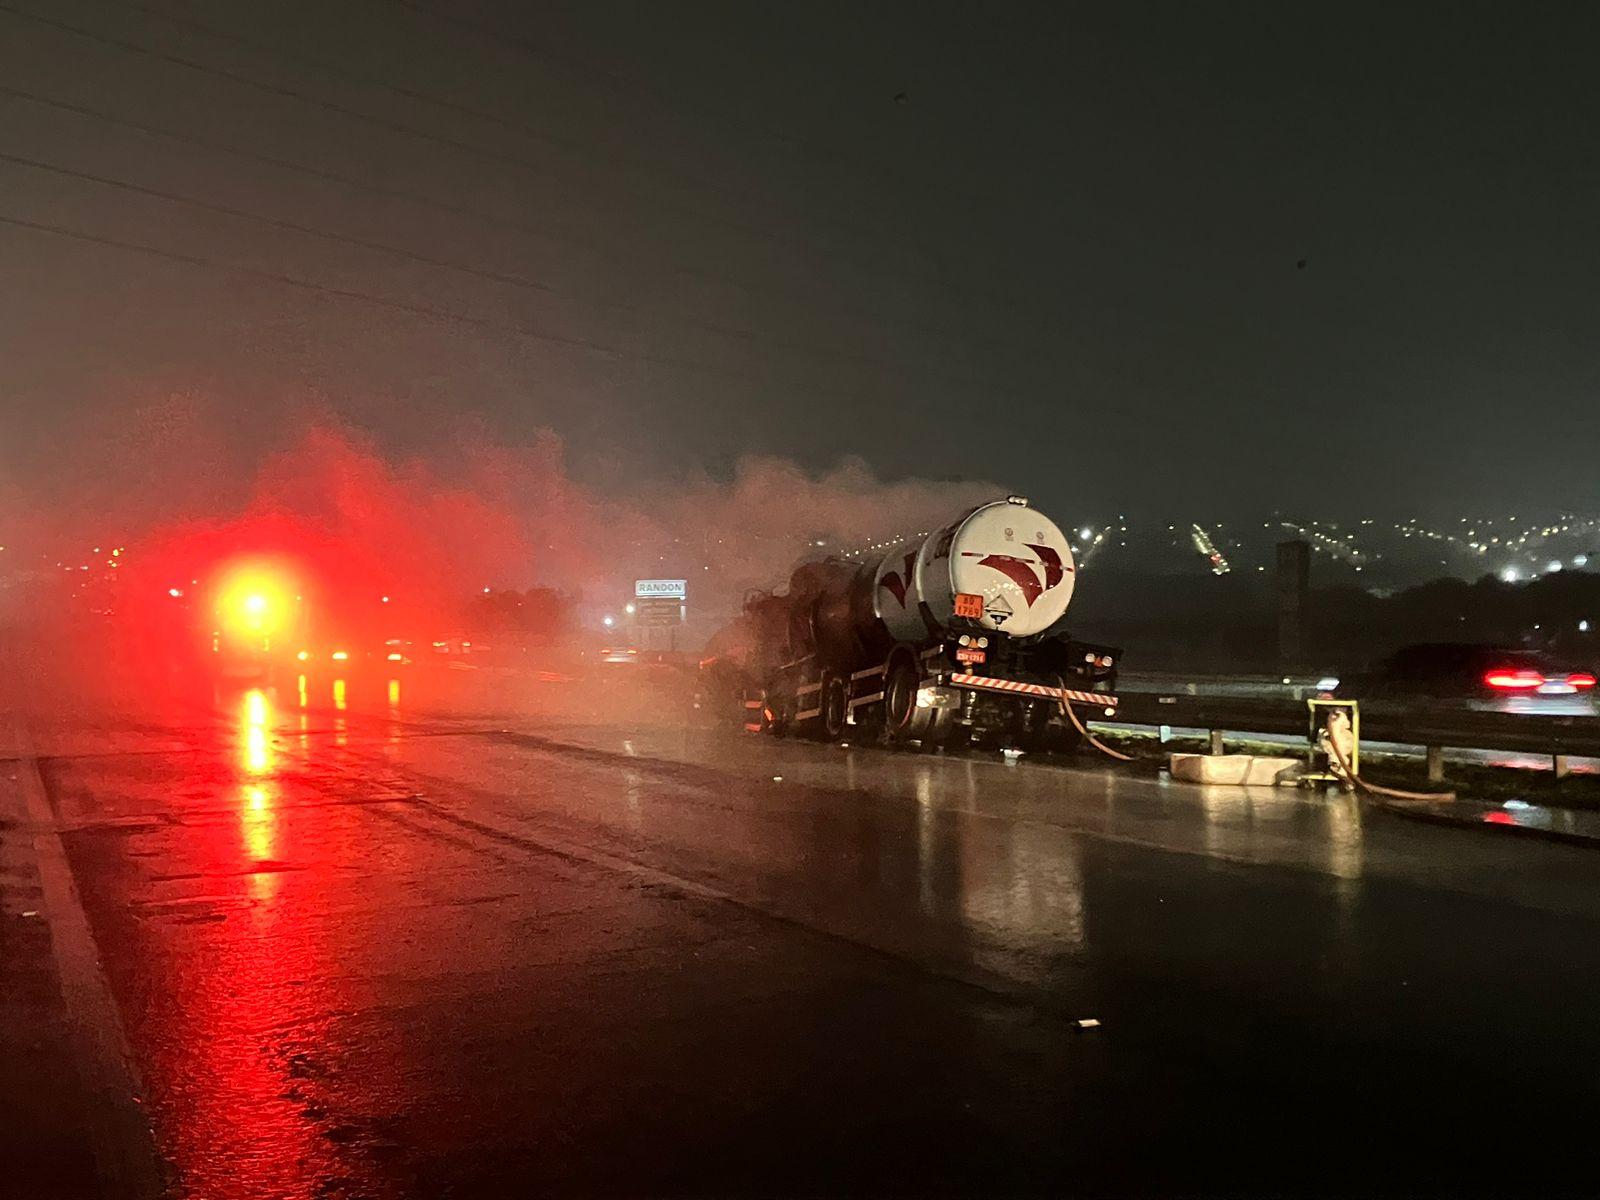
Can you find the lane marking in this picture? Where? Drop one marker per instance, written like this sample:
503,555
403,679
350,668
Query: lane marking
120,1138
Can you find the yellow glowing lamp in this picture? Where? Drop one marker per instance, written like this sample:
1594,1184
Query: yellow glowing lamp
253,601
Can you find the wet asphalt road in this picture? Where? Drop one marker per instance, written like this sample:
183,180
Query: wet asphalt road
414,945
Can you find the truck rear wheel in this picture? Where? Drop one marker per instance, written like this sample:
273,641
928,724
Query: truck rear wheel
1062,739
1059,736
900,712
1033,731
835,705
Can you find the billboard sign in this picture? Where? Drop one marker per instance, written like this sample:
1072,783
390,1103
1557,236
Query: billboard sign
661,589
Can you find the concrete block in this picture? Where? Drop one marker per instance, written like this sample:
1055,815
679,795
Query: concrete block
1231,768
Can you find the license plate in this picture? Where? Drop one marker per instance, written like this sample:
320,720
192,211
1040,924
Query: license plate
970,607
971,654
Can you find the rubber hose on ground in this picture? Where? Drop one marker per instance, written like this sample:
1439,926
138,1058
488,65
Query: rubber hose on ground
1373,789
1066,707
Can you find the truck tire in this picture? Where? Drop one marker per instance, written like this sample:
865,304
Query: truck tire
835,705
943,732
1059,736
901,715
1036,733
1063,739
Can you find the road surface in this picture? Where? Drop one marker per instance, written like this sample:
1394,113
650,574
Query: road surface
384,941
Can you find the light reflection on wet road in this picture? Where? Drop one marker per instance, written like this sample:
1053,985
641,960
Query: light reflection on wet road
363,950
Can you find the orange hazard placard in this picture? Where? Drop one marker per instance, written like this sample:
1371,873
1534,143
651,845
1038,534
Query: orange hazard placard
969,606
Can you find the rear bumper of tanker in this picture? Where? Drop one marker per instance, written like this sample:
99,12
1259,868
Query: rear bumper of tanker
950,691
926,699
943,684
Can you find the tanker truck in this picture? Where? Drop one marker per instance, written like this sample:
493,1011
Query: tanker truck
952,639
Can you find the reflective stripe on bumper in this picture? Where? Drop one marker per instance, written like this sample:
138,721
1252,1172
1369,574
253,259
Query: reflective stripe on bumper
1017,687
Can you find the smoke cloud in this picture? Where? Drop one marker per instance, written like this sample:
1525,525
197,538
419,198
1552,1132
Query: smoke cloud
178,491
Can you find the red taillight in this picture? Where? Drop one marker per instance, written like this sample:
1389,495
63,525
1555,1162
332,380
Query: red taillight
1581,680
1514,681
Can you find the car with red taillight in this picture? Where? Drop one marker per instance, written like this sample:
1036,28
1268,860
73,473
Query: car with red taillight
1479,676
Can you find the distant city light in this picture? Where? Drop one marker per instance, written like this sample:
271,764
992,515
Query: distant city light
1085,534
608,622
1510,575
1583,625
1553,565
1578,560
175,592
630,608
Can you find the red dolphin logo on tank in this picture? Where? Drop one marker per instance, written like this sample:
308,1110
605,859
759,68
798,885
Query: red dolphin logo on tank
898,581
1054,571
1020,570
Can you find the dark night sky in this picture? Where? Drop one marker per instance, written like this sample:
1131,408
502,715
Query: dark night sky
1067,260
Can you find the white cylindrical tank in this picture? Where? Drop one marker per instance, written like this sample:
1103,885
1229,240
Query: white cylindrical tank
1007,553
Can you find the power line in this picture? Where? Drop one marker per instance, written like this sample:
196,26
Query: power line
276,90
384,123
326,176
687,365
412,308
992,341
519,227
680,363
570,145
294,281
521,281
229,210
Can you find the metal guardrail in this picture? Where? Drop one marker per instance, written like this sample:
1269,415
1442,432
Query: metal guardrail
1430,727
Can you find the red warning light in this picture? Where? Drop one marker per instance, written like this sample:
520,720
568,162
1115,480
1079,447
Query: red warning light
253,600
